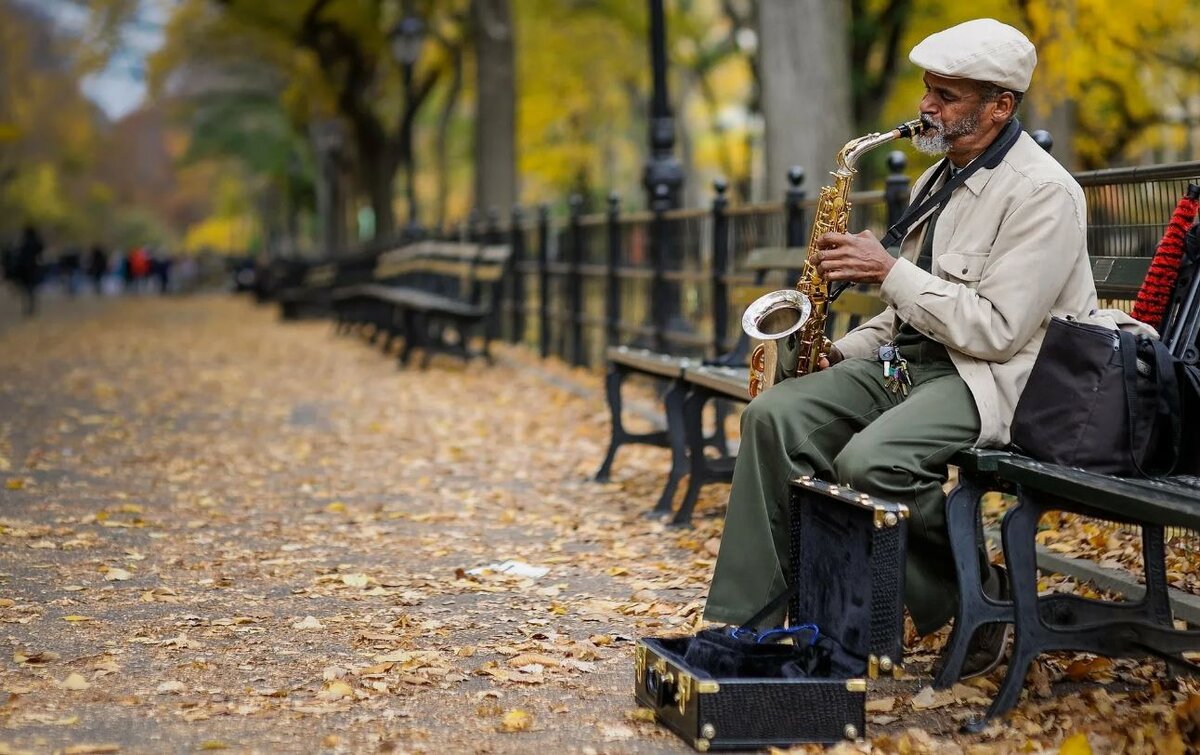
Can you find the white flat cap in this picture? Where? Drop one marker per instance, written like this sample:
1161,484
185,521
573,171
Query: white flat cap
983,49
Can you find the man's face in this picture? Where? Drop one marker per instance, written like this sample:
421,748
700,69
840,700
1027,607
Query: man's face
951,109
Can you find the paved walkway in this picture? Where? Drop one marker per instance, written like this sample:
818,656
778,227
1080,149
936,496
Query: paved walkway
216,529
221,531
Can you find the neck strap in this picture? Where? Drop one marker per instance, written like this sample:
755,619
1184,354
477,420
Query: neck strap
924,204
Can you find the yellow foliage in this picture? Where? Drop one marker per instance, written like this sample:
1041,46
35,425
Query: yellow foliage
227,235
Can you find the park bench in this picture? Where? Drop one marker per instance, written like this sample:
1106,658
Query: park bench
624,361
1140,626
435,295
311,295
308,294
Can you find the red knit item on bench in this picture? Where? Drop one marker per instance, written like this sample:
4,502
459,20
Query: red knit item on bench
1155,294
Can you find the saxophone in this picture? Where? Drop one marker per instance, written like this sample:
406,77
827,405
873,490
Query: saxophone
790,323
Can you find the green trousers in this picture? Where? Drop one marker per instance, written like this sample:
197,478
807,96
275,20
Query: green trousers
843,424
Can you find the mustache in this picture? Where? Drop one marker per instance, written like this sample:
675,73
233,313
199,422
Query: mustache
929,122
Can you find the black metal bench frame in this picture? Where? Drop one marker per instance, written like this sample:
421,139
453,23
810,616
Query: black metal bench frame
1062,621
423,291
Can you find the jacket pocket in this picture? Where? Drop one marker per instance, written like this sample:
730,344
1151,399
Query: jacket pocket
963,266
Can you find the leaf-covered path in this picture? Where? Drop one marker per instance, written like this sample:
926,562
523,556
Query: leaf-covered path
218,531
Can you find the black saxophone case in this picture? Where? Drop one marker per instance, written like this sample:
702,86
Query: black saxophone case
847,554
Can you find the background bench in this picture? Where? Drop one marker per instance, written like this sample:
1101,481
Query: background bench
436,295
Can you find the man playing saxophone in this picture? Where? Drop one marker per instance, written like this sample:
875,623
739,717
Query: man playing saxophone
981,271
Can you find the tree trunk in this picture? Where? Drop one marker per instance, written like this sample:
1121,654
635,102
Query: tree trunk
803,67
379,187
443,157
495,121
1060,122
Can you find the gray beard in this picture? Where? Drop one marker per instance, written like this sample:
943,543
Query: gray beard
938,141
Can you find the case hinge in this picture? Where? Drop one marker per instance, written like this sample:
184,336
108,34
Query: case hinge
688,686
639,663
884,518
877,664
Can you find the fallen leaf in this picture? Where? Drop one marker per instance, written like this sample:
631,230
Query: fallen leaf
1076,744
1083,669
929,698
516,720
528,659
335,691
171,688
309,622
76,683
881,705
117,575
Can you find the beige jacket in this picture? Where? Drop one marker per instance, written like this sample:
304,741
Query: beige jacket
1009,251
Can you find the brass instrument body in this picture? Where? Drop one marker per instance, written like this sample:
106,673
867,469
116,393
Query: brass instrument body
797,347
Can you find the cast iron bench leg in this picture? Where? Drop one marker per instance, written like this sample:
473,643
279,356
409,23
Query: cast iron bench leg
412,335
701,472
620,436
676,434
975,608
1017,532
612,391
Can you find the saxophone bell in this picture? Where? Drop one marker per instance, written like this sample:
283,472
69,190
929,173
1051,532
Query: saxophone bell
777,314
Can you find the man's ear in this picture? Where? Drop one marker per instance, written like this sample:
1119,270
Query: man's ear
1005,105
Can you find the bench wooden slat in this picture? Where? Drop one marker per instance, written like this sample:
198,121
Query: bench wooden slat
728,381
1115,276
1123,499
653,362
776,258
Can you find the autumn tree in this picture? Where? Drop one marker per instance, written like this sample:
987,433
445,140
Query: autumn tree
804,70
495,121
49,134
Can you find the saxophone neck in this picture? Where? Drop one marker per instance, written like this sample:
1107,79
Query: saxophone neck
848,157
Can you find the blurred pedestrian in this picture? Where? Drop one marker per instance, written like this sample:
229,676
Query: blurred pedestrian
160,268
27,267
125,270
139,267
70,266
97,267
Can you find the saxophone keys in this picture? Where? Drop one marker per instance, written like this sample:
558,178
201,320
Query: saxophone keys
758,359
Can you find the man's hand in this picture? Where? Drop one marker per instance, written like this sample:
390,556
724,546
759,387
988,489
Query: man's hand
856,257
833,357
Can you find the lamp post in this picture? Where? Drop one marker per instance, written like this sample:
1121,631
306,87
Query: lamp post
406,39
662,169
663,179
328,138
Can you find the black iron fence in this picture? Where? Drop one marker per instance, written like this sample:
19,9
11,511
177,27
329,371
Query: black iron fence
666,280
655,279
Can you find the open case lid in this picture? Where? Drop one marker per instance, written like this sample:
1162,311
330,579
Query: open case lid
850,562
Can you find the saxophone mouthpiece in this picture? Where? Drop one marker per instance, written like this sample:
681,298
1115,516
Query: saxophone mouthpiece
909,129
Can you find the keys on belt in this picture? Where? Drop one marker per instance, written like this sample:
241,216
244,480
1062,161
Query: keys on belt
895,369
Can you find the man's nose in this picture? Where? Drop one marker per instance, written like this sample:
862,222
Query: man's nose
929,104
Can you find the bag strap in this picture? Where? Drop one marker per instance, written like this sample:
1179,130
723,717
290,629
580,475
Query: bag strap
924,205
1167,405
771,607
